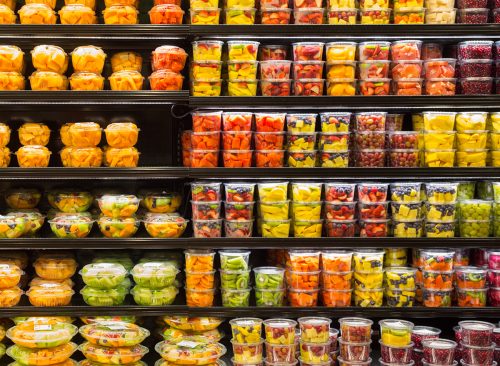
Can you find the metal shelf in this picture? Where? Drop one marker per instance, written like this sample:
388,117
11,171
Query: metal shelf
264,312
163,172
386,102
85,98
242,243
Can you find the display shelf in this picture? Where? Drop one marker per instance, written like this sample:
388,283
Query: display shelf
243,243
359,102
264,312
164,172
124,98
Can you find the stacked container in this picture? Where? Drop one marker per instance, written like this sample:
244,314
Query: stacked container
473,11
308,12
237,139
440,12
340,210
306,210
118,212
395,257
204,12
475,67
406,208
409,12
54,285
336,278
281,341
355,341
155,283
38,12
375,11
418,335
308,68
301,139
88,64
400,287
81,140
121,12
440,209
373,68
206,67
50,62
494,277
472,139
200,278
370,139
11,71
269,288
269,140
475,218
33,154
439,139
10,276
437,277
75,12
303,277
239,208
341,68
42,341
166,13
373,206
275,12
167,63
273,210
206,206
335,130
22,218
314,341
406,69
395,342
476,343
471,286
110,341
342,12
240,12
368,278
121,138
235,278
242,68
275,76
247,342
106,284
200,147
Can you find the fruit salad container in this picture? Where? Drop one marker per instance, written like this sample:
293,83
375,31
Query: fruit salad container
70,201
35,357
166,14
275,15
199,260
104,297
368,260
235,280
400,278
375,16
48,80
336,261
345,16
421,333
336,298
340,51
42,333
370,140
341,192
154,297
370,121
475,68
246,330
314,353
406,50
308,51
112,355
269,122
165,226
174,58
242,70
408,228
154,274
476,86
436,298
274,210
71,226
126,80
269,278
440,16
276,353
439,229
126,61
334,141
161,201
398,355
273,192
395,332
88,58
439,351
471,298
121,135
303,298
437,259
308,87
13,226
86,81
473,140
334,159
439,158
340,228
269,140
237,158
437,280
206,121
436,212
280,331
336,280
407,87
12,59
301,123
118,205
248,353
373,210
441,192
374,69
374,50
242,50
240,16
439,140
269,158
368,297
37,14
372,192
205,16
50,294
374,86
493,278
205,140
476,333
409,15
340,211
406,192
303,260
274,52
475,228
440,86
439,68
114,334
200,298
198,324
200,280
368,280
12,81
206,192
335,121
307,228
341,87
207,50
395,257
400,299
475,50
50,58
10,275
236,298
165,80
120,14
275,70
103,275
355,351
356,330
55,266
242,87
475,209
308,70
236,140
303,280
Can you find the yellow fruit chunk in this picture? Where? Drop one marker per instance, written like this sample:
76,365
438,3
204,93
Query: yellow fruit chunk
11,59
34,134
472,158
121,158
86,81
240,16
126,80
340,51
206,88
48,80
120,14
471,140
341,87
341,70
439,140
205,70
307,229
88,58
133,3
439,158
37,14
11,81
49,58
126,61
275,229
439,121
81,157
33,156
242,88
206,16
77,14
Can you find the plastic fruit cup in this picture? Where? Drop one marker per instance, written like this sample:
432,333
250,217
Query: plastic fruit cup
207,228
396,354
269,158
314,329
396,332
275,228
374,50
436,298
475,68
475,209
473,16
472,297
308,51
370,121
301,123
273,192
303,298
406,50
441,192
240,16
476,86
274,52
395,257
275,69
439,68
206,88
475,228
334,141
340,228
371,158
336,298
440,211
237,158
280,331
308,15
404,158
242,87
341,70
280,353
353,351
400,298
471,121
374,86
308,87
474,140
267,278
308,69
375,16
476,333
400,278
409,15
242,70
356,330
200,298
269,122
371,228
306,192
374,69
340,51
207,50
342,192
343,362
314,353
468,50
373,210
421,333
368,297
440,86
439,229
242,50
408,228
342,16
493,277
238,228
303,280
340,211
208,16
205,70
407,87
337,280
440,16
307,228
372,192
269,298
341,87
275,15
437,280
439,351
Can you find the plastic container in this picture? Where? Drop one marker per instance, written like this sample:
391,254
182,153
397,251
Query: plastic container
274,52
439,351
49,58
406,50
126,60
37,357
37,14
118,205
108,355
103,275
242,50
114,334
165,226
42,333
342,16
275,15
308,51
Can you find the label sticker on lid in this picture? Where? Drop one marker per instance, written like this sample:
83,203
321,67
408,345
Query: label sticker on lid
42,327
188,344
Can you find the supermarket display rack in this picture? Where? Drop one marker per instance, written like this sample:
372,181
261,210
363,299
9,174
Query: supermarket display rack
155,107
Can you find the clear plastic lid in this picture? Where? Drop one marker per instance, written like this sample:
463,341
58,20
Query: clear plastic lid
198,324
113,354
48,290
439,343
42,333
54,261
103,270
88,51
114,333
154,269
71,219
93,363
10,270
122,126
171,49
476,325
190,348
